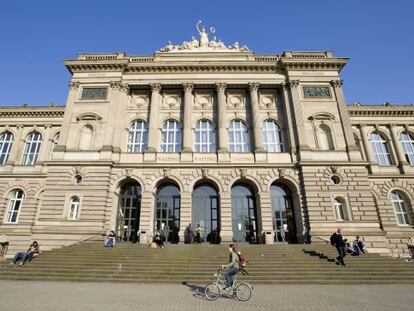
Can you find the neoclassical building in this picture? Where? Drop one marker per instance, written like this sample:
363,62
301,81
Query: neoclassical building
251,148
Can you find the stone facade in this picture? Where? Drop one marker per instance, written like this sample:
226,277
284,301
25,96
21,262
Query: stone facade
325,151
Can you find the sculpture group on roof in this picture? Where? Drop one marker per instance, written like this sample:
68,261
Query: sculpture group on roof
204,44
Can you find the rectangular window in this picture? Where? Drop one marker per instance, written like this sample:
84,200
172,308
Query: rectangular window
316,92
94,93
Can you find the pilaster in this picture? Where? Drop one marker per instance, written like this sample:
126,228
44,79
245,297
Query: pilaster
288,116
402,161
153,117
188,111
254,100
222,130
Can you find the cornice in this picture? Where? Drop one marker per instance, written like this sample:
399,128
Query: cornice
330,64
19,112
383,111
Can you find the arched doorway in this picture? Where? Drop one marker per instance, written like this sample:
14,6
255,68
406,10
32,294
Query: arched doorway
130,210
243,214
284,224
205,212
167,212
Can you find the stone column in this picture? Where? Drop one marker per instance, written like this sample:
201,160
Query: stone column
64,133
367,144
257,127
222,130
153,117
288,116
146,220
119,110
188,111
293,86
185,214
345,121
397,146
226,231
16,148
45,147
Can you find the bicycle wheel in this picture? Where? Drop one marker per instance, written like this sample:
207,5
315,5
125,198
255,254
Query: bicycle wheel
243,292
212,291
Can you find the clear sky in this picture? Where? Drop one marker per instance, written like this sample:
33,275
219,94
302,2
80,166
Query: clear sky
36,36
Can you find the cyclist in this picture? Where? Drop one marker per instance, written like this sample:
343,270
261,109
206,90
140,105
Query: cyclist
233,267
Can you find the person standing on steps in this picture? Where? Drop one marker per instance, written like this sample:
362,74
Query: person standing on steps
233,267
198,233
338,242
110,239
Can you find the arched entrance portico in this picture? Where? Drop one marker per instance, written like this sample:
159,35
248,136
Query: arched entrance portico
283,214
167,212
244,214
129,211
206,213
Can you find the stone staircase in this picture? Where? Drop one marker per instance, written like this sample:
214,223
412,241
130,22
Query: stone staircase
277,264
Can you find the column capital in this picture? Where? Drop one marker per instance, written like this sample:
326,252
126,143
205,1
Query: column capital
336,83
221,86
74,85
188,87
392,125
292,83
254,86
362,125
155,87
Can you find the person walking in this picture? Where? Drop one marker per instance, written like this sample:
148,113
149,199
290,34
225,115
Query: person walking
338,242
233,267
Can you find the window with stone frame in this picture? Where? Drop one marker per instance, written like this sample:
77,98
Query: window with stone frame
32,148
74,208
55,142
407,140
381,149
205,137
400,205
340,211
6,142
239,137
137,137
272,136
171,137
325,139
14,206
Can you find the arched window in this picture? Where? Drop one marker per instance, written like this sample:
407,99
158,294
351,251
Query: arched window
6,141
239,139
171,137
74,208
400,208
381,150
167,213
325,137
271,136
243,214
32,148
205,137
14,206
138,136
85,142
340,209
54,144
358,145
407,140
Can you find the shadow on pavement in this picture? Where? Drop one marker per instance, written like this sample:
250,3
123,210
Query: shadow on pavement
198,291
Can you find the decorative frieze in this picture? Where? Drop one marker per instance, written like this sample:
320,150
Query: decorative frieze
316,92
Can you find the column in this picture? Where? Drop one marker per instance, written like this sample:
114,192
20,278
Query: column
153,117
367,144
288,116
397,146
257,127
298,114
222,130
15,152
188,111
343,114
45,147
64,133
121,107
111,115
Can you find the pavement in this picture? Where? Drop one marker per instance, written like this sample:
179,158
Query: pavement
61,296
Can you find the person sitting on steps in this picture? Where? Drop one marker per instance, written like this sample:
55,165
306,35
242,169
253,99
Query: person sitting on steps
360,244
110,240
157,240
233,267
32,252
354,251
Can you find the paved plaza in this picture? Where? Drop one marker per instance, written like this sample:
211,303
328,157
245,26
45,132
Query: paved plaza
16,295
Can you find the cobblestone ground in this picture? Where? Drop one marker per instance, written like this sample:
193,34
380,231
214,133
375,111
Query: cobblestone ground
55,296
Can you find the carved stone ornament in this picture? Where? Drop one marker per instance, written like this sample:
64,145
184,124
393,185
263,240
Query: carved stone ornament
155,87
138,101
166,172
74,85
336,83
267,101
235,102
316,92
203,101
334,170
254,86
204,172
293,83
115,85
128,172
171,101
205,44
221,87
188,87
281,172
243,173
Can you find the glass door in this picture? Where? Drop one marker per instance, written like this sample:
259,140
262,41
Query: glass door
130,206
167,214
244,217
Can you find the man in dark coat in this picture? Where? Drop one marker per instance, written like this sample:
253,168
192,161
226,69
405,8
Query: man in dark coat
338,242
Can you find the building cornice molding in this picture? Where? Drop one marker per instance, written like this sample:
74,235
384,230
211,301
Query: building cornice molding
383,111
44,112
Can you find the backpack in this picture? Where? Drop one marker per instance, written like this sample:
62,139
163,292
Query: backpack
242,261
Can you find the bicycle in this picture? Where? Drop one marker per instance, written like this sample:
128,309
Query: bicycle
242,291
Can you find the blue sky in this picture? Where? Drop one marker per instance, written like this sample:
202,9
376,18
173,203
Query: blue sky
36,36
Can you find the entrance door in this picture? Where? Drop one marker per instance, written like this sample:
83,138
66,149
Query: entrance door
244,215
205,213
284,225
130,207
167,213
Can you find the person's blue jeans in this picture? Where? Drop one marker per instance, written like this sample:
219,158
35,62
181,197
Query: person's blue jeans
229,275
109,242
22,256
341,254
